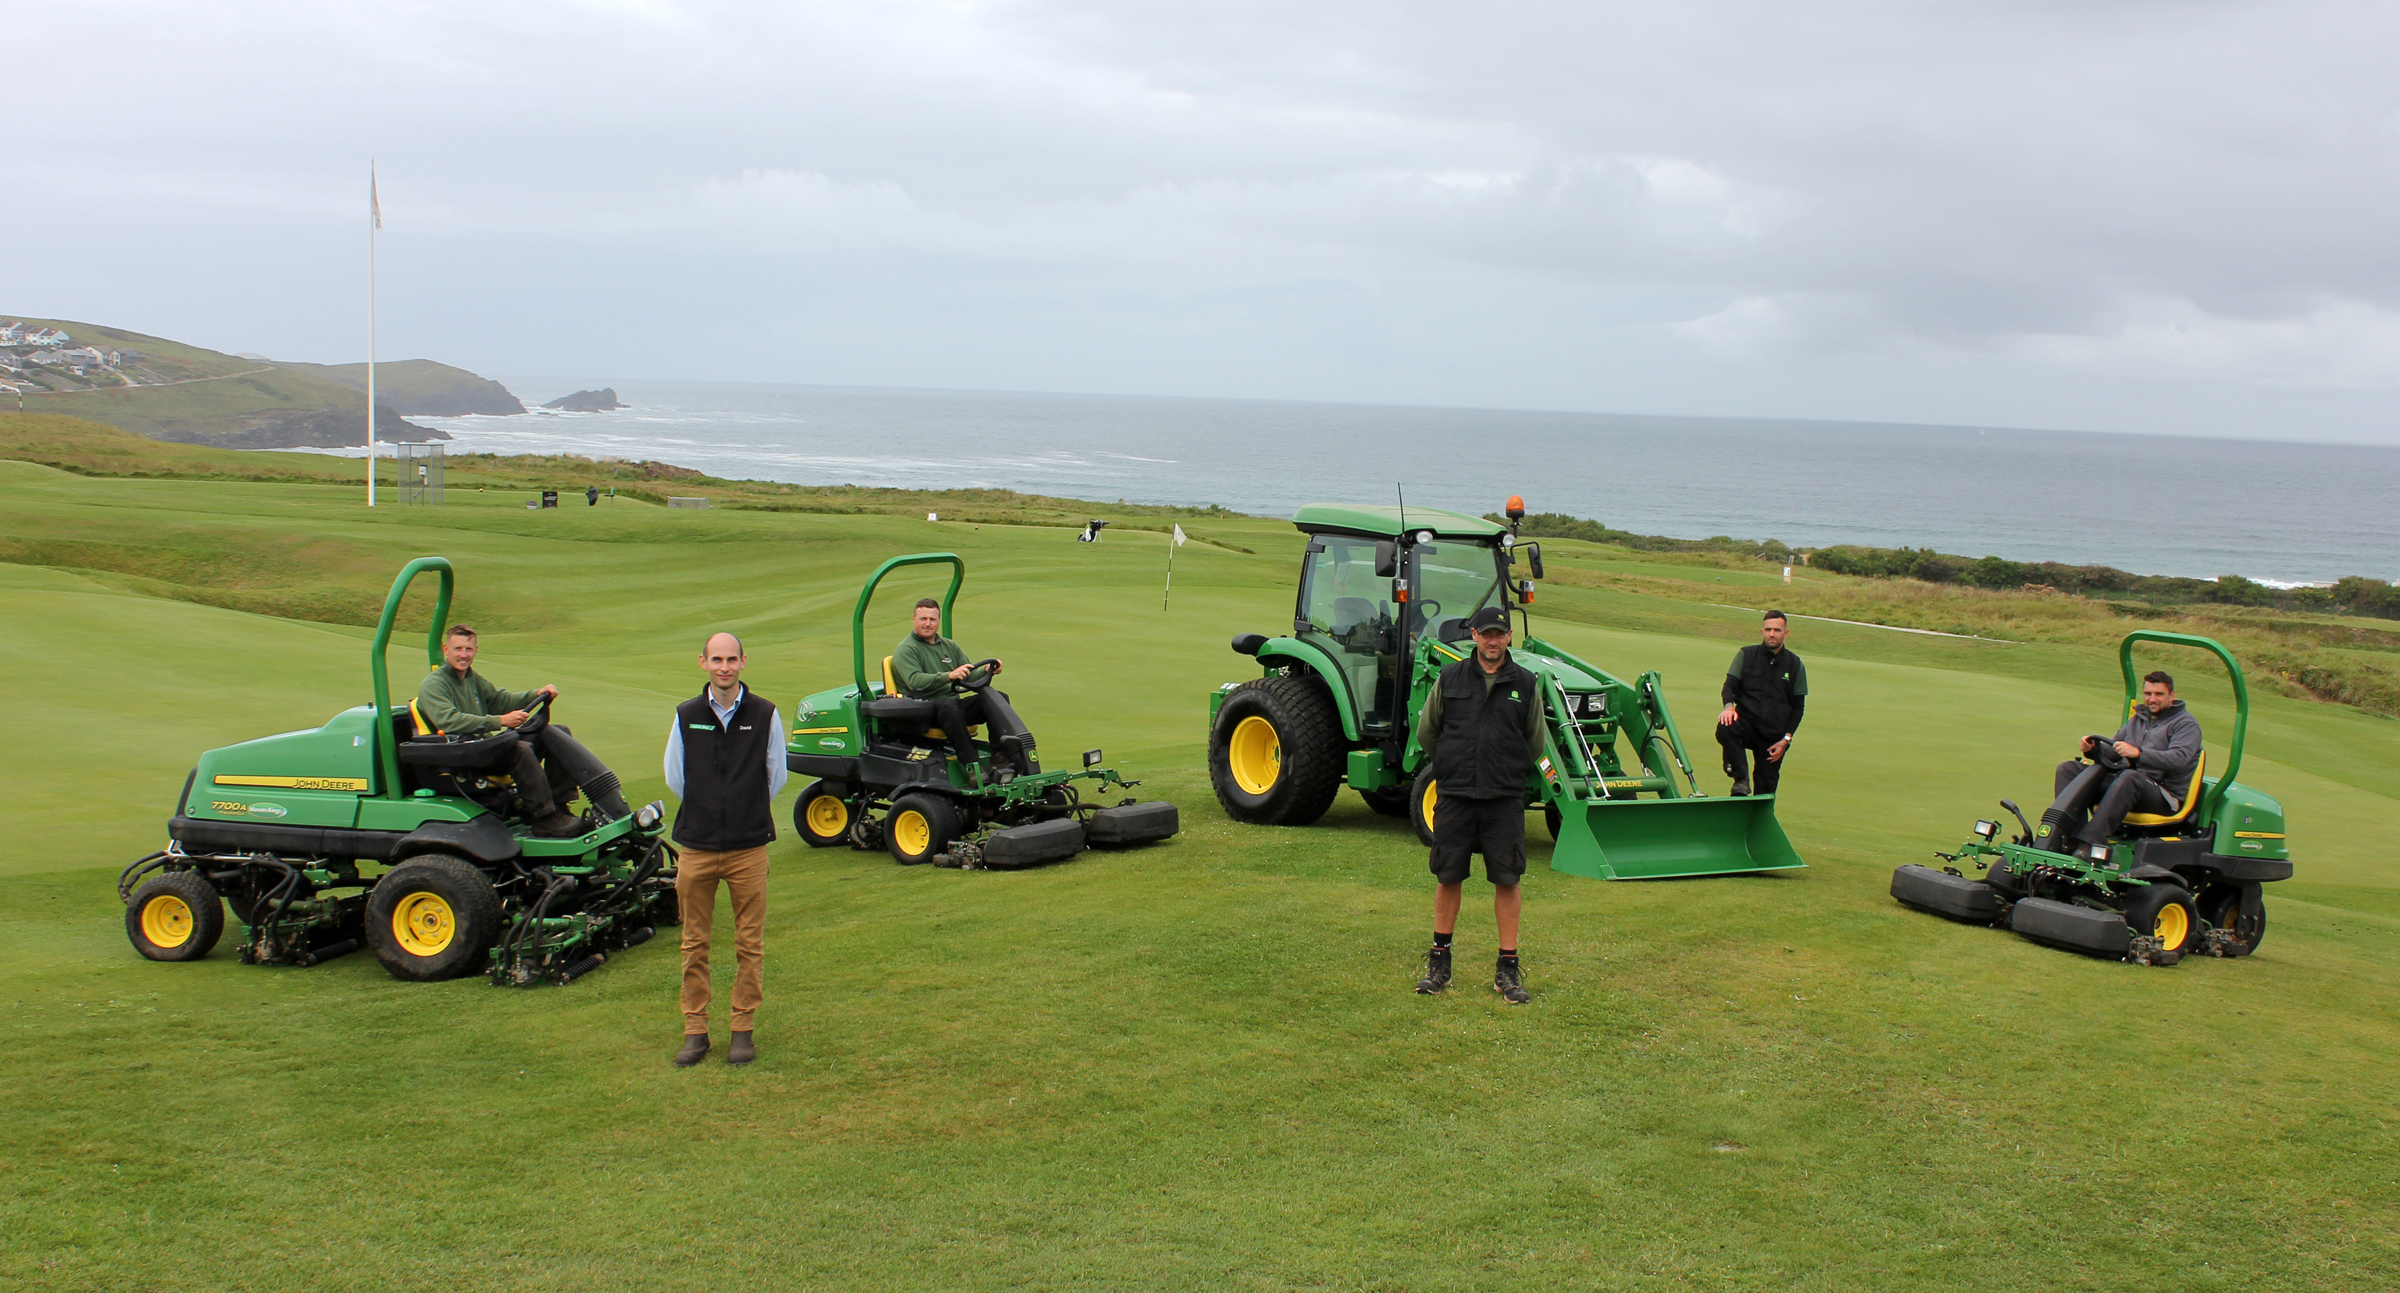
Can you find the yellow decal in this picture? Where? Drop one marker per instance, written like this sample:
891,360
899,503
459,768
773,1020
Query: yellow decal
298,783
819,731
1632,784
2258,835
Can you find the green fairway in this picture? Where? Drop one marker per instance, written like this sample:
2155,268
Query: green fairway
1195,1065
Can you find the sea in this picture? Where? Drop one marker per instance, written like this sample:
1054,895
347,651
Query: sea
2278,512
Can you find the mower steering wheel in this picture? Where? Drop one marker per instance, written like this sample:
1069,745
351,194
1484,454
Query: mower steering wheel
980,664
2104,752
537,717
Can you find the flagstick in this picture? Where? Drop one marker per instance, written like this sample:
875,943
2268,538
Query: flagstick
1170,593
374,222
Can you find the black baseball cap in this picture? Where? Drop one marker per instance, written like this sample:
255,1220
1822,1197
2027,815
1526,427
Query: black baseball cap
1490,617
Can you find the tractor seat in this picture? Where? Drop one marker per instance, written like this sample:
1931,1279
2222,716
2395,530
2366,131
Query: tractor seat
892,707
2156,823
421,745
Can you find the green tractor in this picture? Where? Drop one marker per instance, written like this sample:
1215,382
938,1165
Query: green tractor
370,831
884,775
2163,886
1384,597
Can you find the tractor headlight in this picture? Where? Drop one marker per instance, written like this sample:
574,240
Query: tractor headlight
1091,758
652,813
1986,830
2097,853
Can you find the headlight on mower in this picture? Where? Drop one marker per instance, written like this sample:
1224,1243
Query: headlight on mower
651,814
1091,758
1986,830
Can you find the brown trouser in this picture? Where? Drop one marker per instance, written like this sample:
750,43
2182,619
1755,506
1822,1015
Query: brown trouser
697,872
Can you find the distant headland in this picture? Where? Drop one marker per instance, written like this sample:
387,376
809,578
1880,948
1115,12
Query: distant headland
599,401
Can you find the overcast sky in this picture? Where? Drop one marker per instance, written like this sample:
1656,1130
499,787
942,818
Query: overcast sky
2099,214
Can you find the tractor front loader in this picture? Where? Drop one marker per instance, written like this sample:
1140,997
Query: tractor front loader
373,831
1384,598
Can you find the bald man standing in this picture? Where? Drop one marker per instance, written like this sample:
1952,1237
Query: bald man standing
725,762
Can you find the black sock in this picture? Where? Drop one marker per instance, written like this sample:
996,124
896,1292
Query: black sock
1508,954
1441,940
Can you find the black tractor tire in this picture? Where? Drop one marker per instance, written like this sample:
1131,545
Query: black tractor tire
821,814
2238,908
2003,880
919,827
1391,801
1275,754
1421,796
432,917
2165,912
175,917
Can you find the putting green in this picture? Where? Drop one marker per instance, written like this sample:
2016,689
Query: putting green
1194,1065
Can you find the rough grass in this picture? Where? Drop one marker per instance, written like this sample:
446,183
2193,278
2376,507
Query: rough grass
1191,1066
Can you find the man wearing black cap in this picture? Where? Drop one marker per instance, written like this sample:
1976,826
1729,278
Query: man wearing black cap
1766,691
1482,727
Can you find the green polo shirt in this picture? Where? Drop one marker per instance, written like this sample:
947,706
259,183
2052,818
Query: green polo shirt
466,705
922,668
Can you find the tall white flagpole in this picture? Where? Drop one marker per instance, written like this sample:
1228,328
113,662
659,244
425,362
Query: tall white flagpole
374,222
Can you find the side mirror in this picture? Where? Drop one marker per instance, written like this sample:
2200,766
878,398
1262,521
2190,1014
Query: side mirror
1387,559
1533,556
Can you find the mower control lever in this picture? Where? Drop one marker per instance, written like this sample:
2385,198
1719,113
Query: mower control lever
2013,811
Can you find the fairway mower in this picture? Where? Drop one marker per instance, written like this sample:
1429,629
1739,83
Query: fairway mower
2163,886
1384,598
371,830
885,776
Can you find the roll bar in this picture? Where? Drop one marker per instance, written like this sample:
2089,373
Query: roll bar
387,752
2241,696
858,617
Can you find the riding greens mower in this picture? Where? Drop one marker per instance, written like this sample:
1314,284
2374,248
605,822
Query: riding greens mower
2162,886
884,774
1385,594
370,830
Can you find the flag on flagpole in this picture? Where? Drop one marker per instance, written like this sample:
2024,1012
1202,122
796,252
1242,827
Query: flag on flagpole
1172,544
1178,536
374,203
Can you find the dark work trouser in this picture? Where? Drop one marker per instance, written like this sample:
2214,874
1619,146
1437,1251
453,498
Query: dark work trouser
552,759
986,706
2095,814
1743,738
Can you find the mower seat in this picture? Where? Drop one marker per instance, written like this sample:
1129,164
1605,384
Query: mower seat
892,707
2158,823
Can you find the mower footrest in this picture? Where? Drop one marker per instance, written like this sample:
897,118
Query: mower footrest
1040,842
2078,929
1133,824
1945,894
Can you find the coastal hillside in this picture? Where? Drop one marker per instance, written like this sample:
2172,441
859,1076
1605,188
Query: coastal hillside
419,387
168,390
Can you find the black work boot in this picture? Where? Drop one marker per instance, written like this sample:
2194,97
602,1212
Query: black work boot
559,826
1741,787
1509,981
1437,970
695,1049
741,1052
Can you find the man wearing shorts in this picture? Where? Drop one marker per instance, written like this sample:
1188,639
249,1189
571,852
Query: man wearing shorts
1483,728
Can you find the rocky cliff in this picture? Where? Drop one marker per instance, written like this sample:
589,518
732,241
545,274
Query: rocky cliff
599,401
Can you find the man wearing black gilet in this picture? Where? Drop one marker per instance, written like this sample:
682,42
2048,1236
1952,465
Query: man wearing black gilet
1483,726
1766,691
725,761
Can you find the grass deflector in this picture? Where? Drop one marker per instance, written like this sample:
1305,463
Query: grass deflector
369,831
2163,885
1384,597
884,774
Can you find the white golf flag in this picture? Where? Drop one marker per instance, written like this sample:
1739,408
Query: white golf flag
933,516
1178,536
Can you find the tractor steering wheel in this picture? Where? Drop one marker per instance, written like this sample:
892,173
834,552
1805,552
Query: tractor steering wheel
980,664
2103,751
537,717
1429,613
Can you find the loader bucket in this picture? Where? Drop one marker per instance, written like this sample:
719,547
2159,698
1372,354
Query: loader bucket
1654,839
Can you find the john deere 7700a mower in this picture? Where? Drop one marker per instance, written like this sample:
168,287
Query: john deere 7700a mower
2165,884
1384,598
884,774
367,830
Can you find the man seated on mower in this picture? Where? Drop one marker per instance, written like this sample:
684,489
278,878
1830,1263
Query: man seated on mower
2158,748
930,667
458,701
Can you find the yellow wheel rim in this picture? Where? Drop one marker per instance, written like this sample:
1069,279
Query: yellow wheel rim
1255,755
423,924
1427,806
912,832
166,921
828,815
2173,925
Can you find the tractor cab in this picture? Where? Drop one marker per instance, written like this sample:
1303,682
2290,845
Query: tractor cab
1384,597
